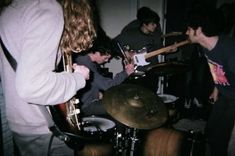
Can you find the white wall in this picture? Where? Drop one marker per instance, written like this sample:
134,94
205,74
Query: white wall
116,14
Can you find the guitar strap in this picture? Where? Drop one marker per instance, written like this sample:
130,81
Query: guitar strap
10,59
51,125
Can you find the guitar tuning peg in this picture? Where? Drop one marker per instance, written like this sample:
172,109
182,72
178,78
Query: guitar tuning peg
76,101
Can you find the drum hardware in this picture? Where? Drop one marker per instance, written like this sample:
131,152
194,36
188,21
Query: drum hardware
137,74
126,142
135,106
134,140
187,125
168,68
171,34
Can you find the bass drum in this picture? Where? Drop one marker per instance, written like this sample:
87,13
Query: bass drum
97,149
169,142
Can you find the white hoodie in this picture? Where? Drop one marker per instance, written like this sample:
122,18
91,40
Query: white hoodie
31,31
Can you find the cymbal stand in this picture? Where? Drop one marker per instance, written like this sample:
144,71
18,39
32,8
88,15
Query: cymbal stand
134,140
125,144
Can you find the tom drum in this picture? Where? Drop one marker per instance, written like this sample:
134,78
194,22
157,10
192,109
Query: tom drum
170,142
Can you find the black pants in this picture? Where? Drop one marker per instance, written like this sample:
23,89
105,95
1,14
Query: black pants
220,125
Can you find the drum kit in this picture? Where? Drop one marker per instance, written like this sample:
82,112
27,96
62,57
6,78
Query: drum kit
135,110
133,107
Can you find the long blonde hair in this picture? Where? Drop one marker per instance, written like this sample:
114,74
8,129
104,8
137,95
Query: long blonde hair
79,29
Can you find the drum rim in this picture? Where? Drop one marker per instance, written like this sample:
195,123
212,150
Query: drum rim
106,124
169,98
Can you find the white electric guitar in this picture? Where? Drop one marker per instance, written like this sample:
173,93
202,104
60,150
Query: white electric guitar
140,59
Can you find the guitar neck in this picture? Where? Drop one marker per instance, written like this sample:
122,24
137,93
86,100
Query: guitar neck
166,49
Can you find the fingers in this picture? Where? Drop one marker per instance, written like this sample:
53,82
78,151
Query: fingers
82,70
130,68
211,100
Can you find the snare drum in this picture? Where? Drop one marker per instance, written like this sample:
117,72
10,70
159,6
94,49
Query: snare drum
170,102
99,133
98,128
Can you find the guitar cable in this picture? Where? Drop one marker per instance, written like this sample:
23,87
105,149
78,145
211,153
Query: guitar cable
49,146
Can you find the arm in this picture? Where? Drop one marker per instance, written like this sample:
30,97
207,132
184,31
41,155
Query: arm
104,83
214,96
35,80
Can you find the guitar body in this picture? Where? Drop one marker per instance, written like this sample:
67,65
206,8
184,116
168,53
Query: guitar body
75,137
59,117
66,116
139,59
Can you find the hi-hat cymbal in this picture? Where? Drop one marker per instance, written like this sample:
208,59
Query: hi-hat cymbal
174,33
168,68
135,106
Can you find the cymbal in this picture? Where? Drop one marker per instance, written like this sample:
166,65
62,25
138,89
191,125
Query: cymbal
168,68
135,106
171,34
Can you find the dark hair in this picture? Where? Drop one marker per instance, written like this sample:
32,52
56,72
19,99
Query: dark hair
208,18
145,15
103,43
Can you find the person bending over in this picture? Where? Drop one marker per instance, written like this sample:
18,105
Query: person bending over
91,95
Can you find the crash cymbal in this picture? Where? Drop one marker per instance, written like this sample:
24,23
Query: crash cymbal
168,68
172,34
135,106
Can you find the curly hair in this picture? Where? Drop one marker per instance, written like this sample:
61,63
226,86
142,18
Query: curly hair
79,29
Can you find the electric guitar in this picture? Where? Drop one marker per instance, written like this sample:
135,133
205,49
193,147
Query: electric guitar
140,59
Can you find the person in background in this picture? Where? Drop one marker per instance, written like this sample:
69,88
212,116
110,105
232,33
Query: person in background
204,28
142,34
37,33
91,95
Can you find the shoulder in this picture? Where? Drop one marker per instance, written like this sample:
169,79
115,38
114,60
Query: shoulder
82,59
227,40
44,10
43,18
133,24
